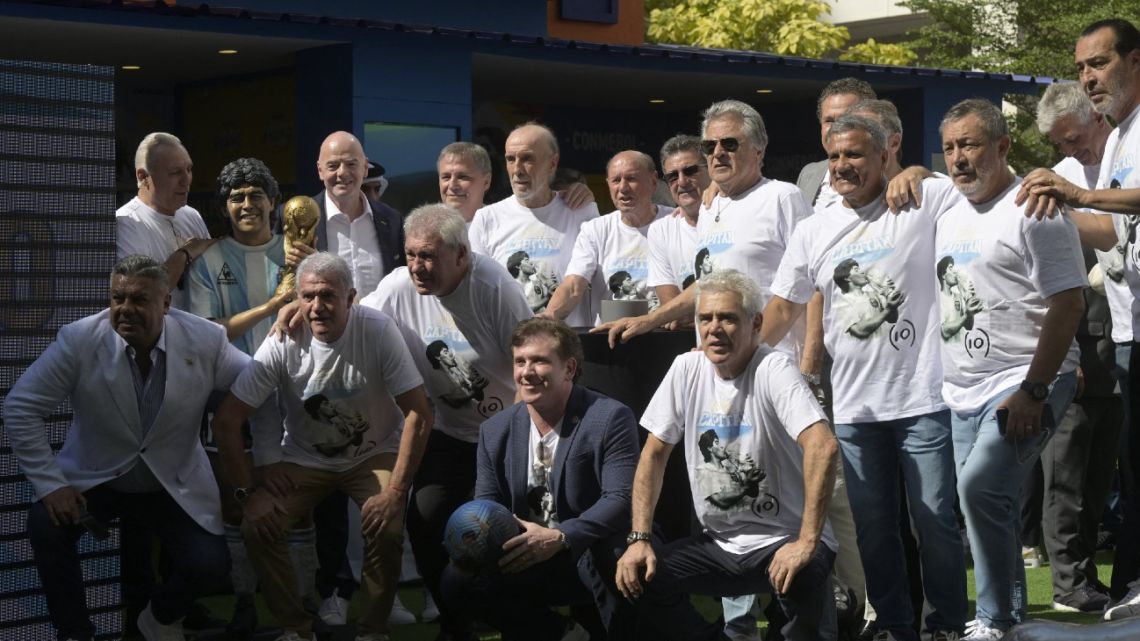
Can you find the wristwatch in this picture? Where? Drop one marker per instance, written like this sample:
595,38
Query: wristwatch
636,536
1037,391
811,379
242,494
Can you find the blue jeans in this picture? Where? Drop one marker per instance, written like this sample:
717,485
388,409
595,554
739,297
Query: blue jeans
920,449
990,473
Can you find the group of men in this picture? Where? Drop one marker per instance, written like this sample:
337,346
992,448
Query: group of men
422,362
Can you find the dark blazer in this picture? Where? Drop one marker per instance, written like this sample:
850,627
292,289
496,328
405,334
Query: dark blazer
810,180
592,476
389,232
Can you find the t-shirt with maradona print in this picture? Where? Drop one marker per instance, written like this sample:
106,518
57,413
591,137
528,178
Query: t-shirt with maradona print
1118,170
740,443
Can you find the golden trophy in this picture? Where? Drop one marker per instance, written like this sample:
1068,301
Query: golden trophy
301,215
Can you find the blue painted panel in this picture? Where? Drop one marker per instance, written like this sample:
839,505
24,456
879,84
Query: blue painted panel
527,17
604,11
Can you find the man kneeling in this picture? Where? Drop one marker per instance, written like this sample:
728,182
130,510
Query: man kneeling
761,465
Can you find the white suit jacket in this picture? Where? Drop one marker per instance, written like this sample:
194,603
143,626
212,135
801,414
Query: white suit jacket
88,363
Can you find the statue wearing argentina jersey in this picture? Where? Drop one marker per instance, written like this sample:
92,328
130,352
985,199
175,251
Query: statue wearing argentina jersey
881,326
234,282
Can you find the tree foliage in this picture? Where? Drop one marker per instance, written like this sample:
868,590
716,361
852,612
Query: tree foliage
785,27
1033,37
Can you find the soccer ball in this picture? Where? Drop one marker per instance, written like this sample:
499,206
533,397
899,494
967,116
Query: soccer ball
475,534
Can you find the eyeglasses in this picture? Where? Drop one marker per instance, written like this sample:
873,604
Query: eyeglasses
728,144
689,171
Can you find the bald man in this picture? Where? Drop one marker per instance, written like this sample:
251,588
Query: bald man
611,255
367,234
533,231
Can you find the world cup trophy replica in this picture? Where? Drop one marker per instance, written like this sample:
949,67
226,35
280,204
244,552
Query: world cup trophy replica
301,215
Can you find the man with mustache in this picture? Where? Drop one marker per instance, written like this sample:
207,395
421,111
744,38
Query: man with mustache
673,239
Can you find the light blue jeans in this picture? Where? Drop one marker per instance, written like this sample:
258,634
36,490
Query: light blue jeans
990,473
918,448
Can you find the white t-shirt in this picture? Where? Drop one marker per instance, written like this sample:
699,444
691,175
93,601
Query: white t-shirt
508,232
995,270
672,247
745,466
339,397
883,331
749,233
614,258
1112,261
1122,284
540,463
460,342
139,229
355,241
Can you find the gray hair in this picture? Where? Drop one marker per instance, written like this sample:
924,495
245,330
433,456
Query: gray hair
328,267
993,122
1061,100
883,111
680,143
848,85
142,267
147,146
547,134
731,280
849,122
438,219
745,113
467,152
641,160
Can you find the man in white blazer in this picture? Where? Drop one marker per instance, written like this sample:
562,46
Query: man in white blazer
138,375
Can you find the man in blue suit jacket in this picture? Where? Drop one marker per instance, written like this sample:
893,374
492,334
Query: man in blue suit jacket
563,461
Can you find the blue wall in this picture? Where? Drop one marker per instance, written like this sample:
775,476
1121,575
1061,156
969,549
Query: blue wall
520,17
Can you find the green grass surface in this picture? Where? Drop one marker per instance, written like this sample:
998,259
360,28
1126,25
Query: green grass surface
1039,582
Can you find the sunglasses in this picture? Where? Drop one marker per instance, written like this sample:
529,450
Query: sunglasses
728,144
689,171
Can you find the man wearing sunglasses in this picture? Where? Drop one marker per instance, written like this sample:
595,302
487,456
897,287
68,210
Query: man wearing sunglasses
673,239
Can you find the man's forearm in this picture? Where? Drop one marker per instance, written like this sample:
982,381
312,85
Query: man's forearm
779,316
647,482
811,362
681,307
1117,201
413,442
820,454
1096,230
1057,331
666,293
567,296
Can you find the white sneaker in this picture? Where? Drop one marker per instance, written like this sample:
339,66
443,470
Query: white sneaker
290,635
152,630
400,615
1031,557
334,610
431,610
1125,608
978,631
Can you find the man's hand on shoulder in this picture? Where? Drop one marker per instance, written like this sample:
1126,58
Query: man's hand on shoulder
906,187
1043,193
533,546
289,320
64,505
577,195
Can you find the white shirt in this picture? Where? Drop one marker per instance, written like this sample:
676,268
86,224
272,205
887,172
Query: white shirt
140,229
1122,285
460,342
1006,266
355,241
883,332
546,235
748,485
749,233
672,247
614,258
540,500
339,397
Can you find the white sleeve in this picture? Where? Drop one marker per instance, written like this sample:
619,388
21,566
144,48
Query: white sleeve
793,210
660,267
261,375
789,395
131,237
587,252
939,195
477,232
794,281
664,417
400,373
1053,250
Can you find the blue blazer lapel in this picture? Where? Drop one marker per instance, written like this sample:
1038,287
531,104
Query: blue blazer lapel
519,455
119,381
575,409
